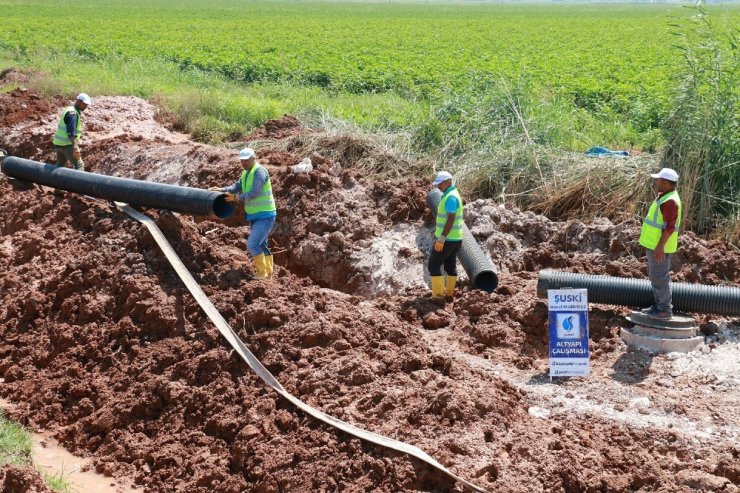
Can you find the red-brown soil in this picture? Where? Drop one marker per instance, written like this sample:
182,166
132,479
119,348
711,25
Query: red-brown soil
15,479
103,345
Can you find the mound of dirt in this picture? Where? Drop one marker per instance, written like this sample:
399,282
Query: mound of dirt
279,128
21,480
12,75
103,345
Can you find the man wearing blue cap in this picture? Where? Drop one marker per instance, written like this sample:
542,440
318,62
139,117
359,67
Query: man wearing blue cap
659,236
254,191
69,132
449,235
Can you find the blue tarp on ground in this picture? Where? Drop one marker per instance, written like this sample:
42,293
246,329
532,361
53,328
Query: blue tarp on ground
603,151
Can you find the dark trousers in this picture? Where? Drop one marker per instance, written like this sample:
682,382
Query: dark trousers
447,257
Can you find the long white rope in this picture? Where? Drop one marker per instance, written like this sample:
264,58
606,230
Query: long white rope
261,371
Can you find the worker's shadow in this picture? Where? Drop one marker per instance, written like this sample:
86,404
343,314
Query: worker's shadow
425,242
544,378
418,308
633,366
20,185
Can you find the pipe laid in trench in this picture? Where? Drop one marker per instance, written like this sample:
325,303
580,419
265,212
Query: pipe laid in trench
479,268
694,298
174,198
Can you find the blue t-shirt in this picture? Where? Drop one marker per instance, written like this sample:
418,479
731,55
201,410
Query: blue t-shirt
451,205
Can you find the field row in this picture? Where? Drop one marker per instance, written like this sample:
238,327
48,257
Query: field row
596,55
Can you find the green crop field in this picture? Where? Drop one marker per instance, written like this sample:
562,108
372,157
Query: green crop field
594,54
613,61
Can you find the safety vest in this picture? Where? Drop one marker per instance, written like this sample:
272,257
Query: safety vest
456,233
264,202
654,224
61,138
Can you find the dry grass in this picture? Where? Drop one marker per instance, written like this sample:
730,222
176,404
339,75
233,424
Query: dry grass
383,154
585,187
562,185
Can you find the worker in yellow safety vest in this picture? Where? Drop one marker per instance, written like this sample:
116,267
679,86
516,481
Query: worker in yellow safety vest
449,234
659,236
253,191
66,140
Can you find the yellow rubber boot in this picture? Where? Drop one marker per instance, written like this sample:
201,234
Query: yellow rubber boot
259,266
438,287
450,286
269,265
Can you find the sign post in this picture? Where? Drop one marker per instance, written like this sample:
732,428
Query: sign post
568,310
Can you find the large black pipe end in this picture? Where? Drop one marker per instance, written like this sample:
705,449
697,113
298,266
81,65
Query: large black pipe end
486,280
222,209
543,283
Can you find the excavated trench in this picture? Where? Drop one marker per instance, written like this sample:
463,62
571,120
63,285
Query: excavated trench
103,346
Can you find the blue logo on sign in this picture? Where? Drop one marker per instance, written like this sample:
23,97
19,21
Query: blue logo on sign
568,325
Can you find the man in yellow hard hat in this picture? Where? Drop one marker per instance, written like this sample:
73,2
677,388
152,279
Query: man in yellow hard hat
69,132
449,234
659,236
254,191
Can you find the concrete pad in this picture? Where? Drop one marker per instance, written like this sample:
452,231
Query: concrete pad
665,333
677,321
659,344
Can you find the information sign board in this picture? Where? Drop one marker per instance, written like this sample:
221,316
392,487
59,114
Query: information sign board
568,310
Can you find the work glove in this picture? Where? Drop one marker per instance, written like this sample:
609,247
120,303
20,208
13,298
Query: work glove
76,153
439,244
232,197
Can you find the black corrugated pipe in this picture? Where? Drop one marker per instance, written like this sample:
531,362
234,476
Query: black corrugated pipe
133,192
476,264
694,298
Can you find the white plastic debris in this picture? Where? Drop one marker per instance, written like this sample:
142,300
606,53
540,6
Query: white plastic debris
539,412
640,403
304,166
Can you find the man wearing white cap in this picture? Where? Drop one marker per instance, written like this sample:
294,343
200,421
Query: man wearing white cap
659,236
69,132
254,191
449,235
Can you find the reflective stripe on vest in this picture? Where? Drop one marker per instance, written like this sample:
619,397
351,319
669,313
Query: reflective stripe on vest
61,137
456,232
263,202
654,224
